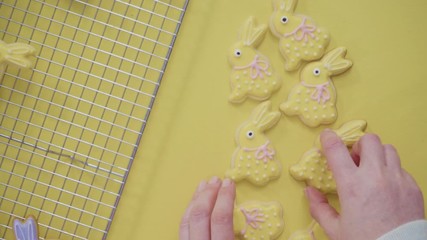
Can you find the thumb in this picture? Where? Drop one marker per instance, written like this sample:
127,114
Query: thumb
322,212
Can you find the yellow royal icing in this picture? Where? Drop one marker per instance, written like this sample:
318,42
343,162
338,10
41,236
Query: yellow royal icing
313,167
254,159
256,220
300,39
314,98
16,54
252,74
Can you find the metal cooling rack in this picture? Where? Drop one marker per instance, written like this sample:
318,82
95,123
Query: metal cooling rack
70,127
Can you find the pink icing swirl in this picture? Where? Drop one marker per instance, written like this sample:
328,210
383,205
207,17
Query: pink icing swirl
253,218
305,29
320,92
262,152
258,68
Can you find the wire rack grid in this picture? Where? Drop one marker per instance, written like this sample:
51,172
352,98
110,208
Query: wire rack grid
70,127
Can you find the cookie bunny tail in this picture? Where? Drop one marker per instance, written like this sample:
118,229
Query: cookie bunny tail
236,97
292,64
335,62
233,175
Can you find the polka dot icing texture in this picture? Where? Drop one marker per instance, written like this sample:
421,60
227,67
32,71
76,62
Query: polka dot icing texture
255,158
300,38
257,220
313,167
314,98
252,74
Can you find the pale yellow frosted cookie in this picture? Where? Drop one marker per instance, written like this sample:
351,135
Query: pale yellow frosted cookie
314,98
313,167
252,75
16,54
255,158
300,38
258,220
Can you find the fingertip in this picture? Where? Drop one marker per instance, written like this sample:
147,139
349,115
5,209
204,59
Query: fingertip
392,157
222,215
371,151
321,211
337,154
329,139
313,195
226,183
227,190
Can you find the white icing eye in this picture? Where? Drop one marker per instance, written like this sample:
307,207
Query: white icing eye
250,134
237,53
284,19
316,72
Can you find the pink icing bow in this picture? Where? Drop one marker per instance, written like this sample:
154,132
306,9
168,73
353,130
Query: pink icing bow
258,68
262,152
305,30
253,218
320,92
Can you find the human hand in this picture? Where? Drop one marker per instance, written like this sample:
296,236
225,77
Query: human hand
210,213
376,195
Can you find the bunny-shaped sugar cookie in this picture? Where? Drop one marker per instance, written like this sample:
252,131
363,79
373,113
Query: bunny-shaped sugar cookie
252,74
258,220
314,98
300,39
255,158
16,54
313,167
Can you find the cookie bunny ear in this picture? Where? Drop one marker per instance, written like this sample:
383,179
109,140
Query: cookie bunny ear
285,5
268,120
352,131
17,53
335,62
349,132
19,61
260,111
264,119
26,230
252,35
20,49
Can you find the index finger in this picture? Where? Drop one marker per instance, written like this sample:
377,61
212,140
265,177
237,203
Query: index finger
337,154
222,215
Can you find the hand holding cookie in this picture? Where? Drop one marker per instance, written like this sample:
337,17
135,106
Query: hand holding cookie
376,194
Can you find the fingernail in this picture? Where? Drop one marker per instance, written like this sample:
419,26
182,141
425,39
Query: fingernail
214,180
202,186
226,183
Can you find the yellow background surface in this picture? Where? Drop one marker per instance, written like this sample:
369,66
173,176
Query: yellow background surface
190,134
